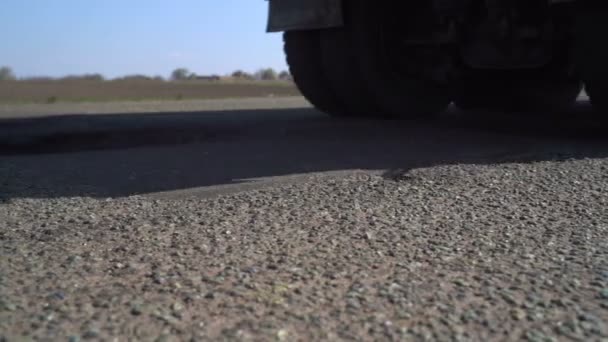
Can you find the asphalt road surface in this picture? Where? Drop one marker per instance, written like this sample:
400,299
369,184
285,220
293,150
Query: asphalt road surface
269,221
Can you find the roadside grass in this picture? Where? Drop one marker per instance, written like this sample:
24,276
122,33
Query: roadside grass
50,92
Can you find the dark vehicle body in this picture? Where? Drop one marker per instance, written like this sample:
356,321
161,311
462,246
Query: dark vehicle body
406,59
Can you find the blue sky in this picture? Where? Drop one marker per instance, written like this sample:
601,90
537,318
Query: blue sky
118,37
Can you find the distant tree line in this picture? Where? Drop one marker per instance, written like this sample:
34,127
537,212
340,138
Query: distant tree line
266,74
139,77
179,74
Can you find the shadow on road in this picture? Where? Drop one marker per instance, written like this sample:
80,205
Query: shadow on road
149,153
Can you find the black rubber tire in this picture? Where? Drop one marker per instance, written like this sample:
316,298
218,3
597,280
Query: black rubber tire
303,53
343,75
398,96
517,95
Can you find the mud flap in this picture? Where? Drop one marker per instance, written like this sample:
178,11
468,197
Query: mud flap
285,15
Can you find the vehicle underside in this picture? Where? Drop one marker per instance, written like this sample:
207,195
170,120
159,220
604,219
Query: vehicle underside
405,59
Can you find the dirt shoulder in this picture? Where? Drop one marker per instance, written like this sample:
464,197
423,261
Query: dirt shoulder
34,110
103,91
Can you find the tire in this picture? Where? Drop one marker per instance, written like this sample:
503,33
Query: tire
303,52
399,95
343,74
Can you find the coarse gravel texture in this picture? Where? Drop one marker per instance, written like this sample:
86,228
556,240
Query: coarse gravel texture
515,251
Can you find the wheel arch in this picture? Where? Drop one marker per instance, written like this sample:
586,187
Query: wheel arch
286,15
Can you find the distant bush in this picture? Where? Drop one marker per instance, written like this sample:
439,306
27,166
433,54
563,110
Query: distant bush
38,79
242,75
196,77
238,74
285,76
268,74
180,74
85,77
7,74
139,77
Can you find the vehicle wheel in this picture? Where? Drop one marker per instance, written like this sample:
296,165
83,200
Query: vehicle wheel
303,52
391,70
343,74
